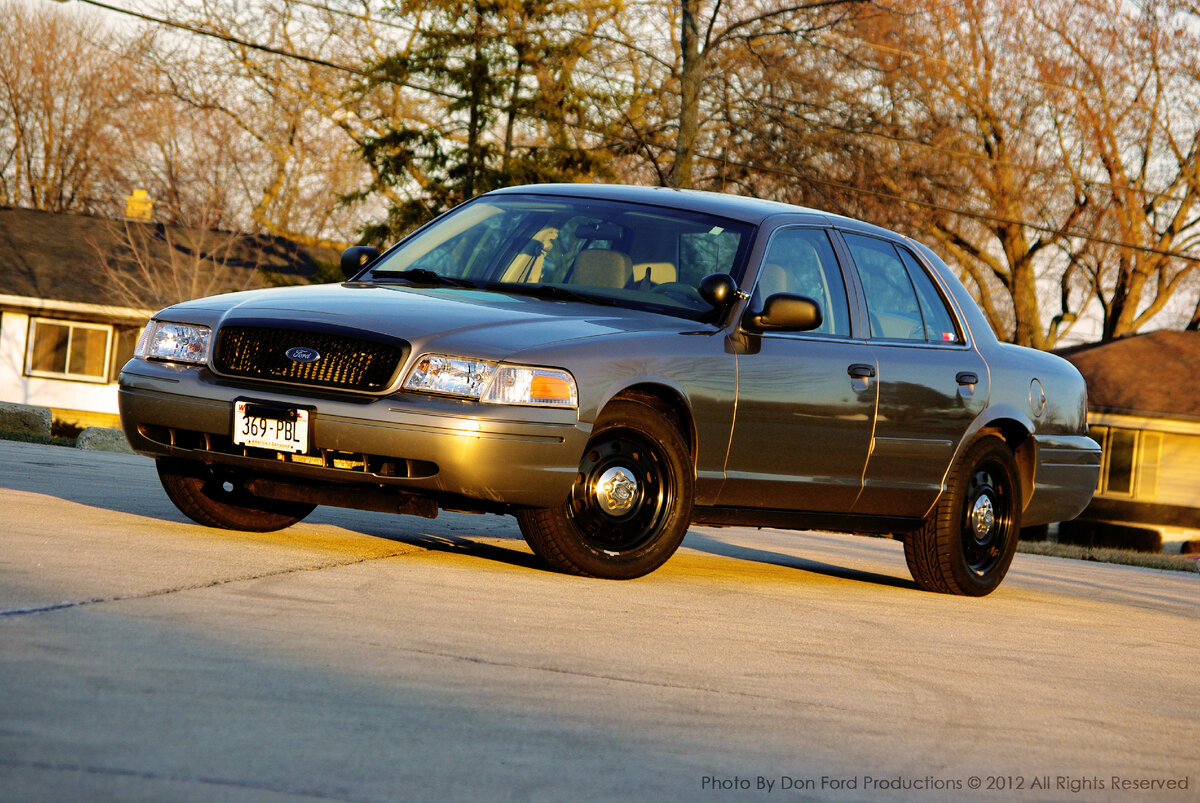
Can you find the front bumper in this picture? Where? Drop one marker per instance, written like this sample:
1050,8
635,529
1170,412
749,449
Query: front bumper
444,448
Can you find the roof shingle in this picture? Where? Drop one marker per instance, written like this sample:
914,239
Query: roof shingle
1157,373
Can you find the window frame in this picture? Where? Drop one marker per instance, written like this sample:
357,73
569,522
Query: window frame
916,265
849,283
964,340
67,375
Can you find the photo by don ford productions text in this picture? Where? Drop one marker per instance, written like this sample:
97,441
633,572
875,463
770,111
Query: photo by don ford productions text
1074,784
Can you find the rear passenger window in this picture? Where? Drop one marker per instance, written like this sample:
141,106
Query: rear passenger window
892,305
802,262
902,301
939,324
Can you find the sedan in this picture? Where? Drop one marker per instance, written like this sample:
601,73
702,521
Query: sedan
611,365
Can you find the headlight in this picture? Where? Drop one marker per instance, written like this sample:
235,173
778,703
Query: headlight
492,383
177,342
454,376
517,384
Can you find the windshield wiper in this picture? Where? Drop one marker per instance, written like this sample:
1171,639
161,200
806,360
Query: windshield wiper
551,291
425,276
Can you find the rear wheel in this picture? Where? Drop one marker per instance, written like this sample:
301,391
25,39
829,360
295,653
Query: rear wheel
968,542
631,502
215,499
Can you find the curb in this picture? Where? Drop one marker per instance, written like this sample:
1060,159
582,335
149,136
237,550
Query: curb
25,419
100,439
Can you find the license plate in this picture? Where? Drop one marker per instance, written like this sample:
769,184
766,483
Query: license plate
284,429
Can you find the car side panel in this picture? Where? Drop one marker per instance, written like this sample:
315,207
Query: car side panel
803,425
693,367
924,411
1066,461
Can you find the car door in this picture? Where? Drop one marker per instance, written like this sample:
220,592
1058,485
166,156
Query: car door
932,383
805,400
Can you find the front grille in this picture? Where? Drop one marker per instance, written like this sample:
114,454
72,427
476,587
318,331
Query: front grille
347,362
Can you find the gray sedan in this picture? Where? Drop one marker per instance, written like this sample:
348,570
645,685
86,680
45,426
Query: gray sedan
611,364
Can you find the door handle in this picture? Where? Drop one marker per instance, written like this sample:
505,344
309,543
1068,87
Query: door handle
967,378
861,371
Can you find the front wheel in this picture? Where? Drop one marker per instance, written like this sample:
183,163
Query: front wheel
631,502
216,500
968,542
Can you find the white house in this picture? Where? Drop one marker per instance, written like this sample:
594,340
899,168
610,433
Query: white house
65,331
1144,411
66,355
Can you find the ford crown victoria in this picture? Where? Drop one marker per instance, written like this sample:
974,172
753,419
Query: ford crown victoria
612,364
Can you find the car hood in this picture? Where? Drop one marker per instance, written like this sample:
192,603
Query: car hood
486,324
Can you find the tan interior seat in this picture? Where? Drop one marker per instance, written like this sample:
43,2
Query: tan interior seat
602,268
772,279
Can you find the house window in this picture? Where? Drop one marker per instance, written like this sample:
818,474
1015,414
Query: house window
68,350
1151,452
1179,477
1119,476
1131,462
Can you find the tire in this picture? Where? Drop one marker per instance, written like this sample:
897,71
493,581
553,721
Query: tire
215,500
631,502
968,542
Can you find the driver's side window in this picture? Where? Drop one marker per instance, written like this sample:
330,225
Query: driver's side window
802,262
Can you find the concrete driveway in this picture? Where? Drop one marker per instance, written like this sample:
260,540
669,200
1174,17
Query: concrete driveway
369,657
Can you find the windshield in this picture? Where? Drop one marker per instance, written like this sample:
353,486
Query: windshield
625,254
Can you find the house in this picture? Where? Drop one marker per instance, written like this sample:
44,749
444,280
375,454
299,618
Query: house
1144,411
75,291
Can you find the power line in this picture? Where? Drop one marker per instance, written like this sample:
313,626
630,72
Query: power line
360,17
224,37
183,26
962,154
984,216
744,165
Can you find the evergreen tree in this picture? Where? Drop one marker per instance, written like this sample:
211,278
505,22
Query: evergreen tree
507,71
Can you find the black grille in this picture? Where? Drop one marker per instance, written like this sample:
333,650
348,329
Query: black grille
347,362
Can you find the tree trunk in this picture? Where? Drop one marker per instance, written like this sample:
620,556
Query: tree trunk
690,82
478,73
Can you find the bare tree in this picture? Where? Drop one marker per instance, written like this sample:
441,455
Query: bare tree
704,34
67,89
153,265
276,126
1129,105
965,153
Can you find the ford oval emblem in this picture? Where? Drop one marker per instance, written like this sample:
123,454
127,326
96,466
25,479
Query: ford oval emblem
302,354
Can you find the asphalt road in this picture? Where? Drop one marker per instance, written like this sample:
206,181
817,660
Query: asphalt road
368,657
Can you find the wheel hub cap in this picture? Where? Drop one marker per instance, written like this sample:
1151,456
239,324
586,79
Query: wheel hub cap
616,491
983,516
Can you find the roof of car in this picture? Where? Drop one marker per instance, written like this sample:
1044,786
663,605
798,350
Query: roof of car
736,207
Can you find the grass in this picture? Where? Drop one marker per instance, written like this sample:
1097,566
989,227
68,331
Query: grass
25,437
1125,557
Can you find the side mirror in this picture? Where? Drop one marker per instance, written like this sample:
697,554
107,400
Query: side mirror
718,289
357,257
785,312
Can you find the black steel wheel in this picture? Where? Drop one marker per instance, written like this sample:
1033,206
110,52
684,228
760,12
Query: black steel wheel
968,543
631,502
215,499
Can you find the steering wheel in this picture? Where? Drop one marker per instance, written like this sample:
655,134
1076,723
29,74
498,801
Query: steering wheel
680,291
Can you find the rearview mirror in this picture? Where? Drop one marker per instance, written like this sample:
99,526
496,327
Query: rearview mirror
718,289
357,257
785,312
